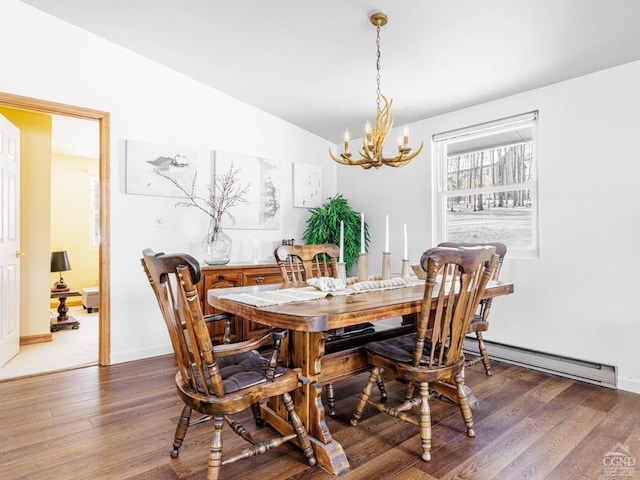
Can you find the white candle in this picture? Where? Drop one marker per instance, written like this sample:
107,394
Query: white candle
406,252
362,232
386,234
341,240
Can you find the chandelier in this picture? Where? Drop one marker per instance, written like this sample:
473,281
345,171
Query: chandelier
371,153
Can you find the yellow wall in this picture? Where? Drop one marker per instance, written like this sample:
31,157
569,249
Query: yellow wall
71,218
35,218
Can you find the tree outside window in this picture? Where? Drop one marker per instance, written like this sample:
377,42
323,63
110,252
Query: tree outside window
487,185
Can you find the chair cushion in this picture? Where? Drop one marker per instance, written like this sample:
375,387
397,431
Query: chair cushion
400,349
242,371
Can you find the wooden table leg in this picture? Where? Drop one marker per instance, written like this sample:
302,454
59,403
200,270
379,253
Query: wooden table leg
306,350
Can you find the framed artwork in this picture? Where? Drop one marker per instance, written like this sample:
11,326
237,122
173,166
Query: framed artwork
147,162
262,210
307,185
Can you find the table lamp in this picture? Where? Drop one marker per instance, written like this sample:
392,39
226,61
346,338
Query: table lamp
60,263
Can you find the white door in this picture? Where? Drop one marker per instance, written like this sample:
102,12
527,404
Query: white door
9,240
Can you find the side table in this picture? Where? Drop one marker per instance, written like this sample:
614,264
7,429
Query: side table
64,320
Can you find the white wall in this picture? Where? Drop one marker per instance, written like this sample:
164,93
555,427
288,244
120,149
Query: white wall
575,300
578,298
48,59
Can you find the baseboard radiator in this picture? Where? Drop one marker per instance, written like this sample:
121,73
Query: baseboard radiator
604,375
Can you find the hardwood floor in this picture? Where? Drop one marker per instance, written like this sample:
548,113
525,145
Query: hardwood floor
118,423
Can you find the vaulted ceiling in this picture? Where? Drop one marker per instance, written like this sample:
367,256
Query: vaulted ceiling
313,63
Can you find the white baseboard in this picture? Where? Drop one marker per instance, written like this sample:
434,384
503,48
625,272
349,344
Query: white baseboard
629,384
605,375
131,355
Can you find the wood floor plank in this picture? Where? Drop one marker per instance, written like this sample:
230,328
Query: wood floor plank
119,422
478,453
548,451
622,420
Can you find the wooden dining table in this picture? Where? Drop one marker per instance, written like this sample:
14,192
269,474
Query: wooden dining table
309,324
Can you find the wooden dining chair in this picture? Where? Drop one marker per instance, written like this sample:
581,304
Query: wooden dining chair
221,380
456,279
480,321
299,263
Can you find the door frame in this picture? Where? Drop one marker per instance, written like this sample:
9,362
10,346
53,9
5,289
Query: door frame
104,274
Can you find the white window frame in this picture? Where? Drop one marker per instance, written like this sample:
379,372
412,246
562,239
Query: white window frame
441,144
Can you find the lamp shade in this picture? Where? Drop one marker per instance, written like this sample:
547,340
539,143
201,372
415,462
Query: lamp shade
60,261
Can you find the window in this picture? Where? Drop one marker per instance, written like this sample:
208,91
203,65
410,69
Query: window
486,187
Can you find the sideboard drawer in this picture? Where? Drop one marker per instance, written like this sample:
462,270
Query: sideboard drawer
262,278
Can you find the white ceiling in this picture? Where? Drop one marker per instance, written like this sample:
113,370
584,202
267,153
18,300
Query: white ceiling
313,63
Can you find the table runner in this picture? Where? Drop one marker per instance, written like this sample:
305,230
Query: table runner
297,294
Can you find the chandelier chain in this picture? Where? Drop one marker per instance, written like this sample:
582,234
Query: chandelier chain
378,66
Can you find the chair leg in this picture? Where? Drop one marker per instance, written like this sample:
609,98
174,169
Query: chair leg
383,391
331,399
465,408
425,421
483,354
301,434
181,431
408,391
364,396
215,453
257,415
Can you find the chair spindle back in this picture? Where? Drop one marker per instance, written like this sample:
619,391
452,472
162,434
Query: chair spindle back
301,262
457,277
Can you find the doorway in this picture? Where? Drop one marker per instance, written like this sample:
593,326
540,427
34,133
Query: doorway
43,106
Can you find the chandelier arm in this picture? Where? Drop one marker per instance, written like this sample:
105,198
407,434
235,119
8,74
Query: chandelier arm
403,160
365,154
364,162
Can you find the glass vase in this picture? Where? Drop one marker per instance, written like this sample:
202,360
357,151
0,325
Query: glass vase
216,245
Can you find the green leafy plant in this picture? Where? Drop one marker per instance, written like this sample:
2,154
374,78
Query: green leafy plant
323,226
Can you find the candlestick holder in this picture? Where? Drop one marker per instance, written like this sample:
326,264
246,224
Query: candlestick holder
363,275
386,265
404,272
341,271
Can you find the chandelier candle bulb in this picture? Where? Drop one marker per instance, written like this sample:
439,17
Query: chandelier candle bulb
405,137
347,137
386,234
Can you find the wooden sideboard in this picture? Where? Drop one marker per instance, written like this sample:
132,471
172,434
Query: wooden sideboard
236,275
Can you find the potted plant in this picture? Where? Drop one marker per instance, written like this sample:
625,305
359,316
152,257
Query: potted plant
323,226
